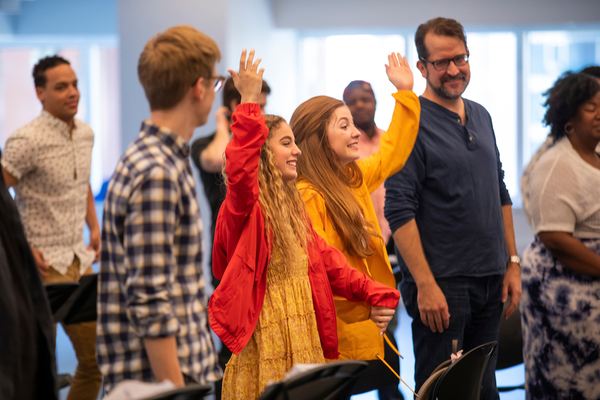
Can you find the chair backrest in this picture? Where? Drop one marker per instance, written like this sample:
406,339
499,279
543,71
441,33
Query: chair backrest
331,381
510,340
462,379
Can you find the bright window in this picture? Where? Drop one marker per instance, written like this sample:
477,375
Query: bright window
330,63
547,54
510,70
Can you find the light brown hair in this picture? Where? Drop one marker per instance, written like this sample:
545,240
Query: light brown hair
172,62
282,206
439,26
320,166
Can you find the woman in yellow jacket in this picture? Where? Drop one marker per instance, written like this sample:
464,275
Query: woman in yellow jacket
336,189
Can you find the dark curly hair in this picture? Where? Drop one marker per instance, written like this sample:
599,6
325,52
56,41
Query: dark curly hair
593,70
569,92
39,70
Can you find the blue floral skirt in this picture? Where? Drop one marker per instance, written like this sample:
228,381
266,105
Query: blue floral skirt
560,314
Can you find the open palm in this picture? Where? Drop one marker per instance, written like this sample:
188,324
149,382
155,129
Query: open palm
399,72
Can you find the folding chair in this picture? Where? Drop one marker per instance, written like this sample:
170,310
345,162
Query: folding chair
510,345
460,380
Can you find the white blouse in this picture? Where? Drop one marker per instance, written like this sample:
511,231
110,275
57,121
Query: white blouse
565,193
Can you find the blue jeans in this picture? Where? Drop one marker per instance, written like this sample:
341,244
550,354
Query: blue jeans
475,306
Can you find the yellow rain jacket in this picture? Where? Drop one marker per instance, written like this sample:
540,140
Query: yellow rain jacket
361,340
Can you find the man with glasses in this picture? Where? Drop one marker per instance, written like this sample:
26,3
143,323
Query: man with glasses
152,320
450,214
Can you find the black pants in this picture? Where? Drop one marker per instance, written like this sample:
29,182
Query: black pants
378,376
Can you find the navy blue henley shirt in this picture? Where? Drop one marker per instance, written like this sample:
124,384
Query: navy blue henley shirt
453,186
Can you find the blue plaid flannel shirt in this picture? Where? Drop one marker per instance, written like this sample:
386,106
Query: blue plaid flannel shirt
150,282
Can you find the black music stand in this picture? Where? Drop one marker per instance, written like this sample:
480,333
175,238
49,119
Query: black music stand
330,381
73,303
189,392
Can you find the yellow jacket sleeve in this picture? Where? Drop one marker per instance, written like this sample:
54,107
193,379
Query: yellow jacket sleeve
396,143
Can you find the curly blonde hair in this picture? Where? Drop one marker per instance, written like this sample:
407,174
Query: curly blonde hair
281,203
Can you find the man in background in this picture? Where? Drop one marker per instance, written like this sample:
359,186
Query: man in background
48,162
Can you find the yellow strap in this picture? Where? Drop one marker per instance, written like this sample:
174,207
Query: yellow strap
392,346
395,373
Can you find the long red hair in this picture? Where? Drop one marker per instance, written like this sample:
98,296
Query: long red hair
321,167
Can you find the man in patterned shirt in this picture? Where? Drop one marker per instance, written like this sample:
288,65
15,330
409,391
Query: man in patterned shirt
48,162
152,321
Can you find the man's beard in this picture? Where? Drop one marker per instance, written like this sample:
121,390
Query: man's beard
441,90
366,125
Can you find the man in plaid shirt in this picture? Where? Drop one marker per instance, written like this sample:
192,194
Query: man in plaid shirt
151,297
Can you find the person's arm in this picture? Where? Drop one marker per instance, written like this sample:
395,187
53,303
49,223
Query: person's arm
162,353
15,145
380,300
402,200
211,158
571,252
9,180
431,301
150,263
511,284
92,223
242,154
397,142
249,133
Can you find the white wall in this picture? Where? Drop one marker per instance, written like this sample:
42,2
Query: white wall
308,14
233,24
139,21
251,25
6,24
66,17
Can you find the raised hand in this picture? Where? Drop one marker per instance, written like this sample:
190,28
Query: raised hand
248,80
399,72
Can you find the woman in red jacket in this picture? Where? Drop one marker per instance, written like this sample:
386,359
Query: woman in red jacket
274,306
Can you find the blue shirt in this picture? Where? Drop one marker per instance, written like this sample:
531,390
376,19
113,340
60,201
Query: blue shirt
453,186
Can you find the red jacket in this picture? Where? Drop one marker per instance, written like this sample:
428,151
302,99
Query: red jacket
241,253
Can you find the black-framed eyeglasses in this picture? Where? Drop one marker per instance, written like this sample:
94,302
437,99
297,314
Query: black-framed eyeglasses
443,64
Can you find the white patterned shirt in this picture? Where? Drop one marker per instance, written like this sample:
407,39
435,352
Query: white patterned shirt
52,168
